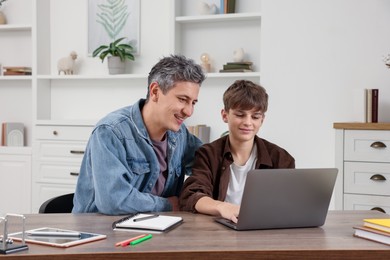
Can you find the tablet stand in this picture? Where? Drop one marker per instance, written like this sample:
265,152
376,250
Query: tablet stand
6,243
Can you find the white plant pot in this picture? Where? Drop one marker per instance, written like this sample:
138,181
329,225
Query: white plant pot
115,65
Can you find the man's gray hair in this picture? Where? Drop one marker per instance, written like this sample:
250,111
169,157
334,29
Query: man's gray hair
172,69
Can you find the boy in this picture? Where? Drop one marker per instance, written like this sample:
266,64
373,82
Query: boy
220,168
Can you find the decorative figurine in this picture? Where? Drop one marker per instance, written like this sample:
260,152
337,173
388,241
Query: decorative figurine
238,55
205,8
205,62
66,64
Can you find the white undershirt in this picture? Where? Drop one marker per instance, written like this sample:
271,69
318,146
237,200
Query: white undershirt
238,177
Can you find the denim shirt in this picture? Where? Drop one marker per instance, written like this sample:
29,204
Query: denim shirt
120,167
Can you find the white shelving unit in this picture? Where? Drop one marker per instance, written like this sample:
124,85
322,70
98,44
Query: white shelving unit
15,106
218,35
59,111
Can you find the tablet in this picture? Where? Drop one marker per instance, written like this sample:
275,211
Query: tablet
56,237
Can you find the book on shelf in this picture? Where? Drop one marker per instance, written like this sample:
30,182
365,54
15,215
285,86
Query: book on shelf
200,131
15,73
237,66
17,70
372,234
374,109
382,224
372,103
227,6
235,70
239,63
232,66
365,105
368,106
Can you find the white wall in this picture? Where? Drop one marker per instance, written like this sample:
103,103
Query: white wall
314,54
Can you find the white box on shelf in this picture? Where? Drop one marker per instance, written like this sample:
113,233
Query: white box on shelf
12,134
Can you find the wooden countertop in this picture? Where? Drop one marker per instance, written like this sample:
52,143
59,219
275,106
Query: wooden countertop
361,126
200,237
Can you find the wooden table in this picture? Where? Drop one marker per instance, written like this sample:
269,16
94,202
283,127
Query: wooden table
199,237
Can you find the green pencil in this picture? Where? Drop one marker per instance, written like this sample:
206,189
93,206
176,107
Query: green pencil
141,240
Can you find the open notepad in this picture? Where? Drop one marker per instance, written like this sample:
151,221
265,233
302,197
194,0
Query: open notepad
160,223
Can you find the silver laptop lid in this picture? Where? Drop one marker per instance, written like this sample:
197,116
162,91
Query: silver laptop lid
286,198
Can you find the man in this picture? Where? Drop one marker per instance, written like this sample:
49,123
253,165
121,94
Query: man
220,168
137,156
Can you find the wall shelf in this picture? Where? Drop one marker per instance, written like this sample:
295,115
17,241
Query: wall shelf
15,27
219,18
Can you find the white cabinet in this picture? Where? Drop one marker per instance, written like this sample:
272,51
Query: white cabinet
57,152
16,47
15,180
363,159
16,50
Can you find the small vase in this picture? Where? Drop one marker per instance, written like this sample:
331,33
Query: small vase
3,19
238,55
115,65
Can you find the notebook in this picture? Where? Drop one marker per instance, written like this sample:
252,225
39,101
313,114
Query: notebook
285,198
147,222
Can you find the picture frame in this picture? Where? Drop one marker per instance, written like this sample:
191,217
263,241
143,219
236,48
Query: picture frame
109,20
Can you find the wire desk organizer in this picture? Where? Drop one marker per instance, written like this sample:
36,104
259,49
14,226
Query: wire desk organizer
6,243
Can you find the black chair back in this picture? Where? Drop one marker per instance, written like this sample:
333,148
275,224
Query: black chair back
60,204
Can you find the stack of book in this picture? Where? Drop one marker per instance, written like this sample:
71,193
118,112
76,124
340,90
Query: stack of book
12,71
227,6
245,66
365,105
377,230
200,131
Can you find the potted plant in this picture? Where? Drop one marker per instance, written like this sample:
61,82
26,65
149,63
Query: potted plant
3,20
113,18
116,54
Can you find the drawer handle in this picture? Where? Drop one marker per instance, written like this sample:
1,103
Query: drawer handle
379,209
378,177
377,145
74,173
76,152
55,132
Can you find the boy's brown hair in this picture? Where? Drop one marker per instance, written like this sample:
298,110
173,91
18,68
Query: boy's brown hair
245,95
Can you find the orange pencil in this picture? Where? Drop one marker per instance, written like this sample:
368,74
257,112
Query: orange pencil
127,242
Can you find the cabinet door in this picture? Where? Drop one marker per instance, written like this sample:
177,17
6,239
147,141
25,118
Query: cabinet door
15,179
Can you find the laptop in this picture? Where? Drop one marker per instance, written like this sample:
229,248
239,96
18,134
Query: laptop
284,198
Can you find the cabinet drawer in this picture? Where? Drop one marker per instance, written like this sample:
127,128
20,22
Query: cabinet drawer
73,133
366,202
367,145
62,173
60,151
367,178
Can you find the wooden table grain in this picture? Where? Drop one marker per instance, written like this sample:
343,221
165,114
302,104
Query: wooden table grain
200,237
